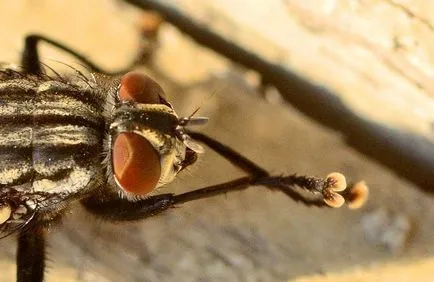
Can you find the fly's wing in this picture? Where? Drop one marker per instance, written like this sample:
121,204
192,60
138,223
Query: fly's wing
17,209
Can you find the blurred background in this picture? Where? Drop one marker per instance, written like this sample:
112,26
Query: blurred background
374,55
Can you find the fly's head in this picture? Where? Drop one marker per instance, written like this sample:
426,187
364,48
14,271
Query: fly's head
148,144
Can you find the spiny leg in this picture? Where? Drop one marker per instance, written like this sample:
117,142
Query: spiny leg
30,58
334,182
259,176
111,207
31,255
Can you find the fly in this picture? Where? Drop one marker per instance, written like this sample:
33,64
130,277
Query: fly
109,143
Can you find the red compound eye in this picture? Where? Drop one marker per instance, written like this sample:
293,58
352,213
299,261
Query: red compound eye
136,164
140,88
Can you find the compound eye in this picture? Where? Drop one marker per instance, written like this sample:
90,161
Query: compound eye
136,164
140,88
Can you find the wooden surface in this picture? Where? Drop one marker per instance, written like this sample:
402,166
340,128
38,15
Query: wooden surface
255,235
372,53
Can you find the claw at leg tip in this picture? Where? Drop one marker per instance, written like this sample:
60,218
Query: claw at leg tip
334,200
358,195
336,181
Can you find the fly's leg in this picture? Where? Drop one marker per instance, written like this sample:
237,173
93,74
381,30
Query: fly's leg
119,209
31,254
111,207
30,58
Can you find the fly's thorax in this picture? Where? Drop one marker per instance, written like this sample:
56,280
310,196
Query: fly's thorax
67,138
51,134
51,144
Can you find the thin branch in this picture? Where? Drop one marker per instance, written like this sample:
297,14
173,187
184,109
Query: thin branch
408,155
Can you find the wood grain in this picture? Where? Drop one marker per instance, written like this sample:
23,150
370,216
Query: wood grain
256,235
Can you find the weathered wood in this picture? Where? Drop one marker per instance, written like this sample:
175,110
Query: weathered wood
256,235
